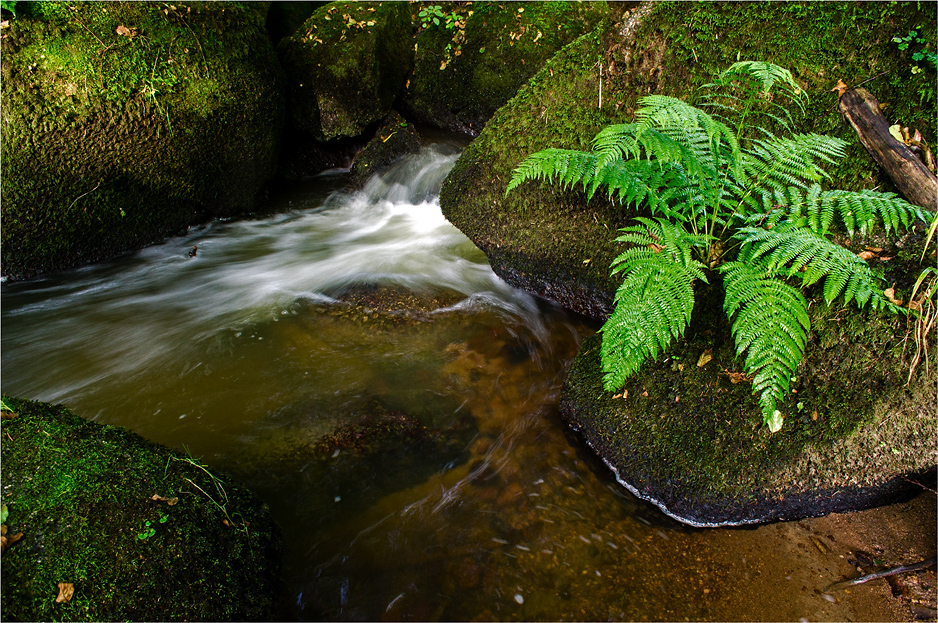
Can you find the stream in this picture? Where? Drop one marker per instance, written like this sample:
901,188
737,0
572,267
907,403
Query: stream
351,357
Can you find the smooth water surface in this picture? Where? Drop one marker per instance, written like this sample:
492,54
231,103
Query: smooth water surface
353,359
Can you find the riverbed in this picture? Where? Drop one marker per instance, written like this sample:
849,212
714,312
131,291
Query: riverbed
352,358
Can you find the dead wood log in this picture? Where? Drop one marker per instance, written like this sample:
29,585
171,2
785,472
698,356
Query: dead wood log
908,173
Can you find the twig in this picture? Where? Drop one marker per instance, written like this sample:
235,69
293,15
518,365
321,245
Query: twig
82,195
106,46
882,574
915,482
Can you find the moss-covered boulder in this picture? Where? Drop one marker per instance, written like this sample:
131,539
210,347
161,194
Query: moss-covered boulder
114,527
474,58
690,438
685,436
394,138
345,66
553,243
126,122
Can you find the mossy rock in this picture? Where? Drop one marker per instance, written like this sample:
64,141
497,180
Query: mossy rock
127,122
394,138
696,443
555,244
468,66
285,18
345,66
141,532
691,439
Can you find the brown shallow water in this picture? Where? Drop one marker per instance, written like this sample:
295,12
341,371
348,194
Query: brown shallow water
354,361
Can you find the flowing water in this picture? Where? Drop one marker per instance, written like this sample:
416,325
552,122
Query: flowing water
353,359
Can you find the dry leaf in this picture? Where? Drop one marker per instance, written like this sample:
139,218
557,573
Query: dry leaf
66,590
841,88
7,541
814,415
891,295
123,31
645,393
705,358
169,501
866,255
655,247
737,377
873,249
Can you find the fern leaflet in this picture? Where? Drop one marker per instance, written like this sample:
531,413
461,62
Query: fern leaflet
771,326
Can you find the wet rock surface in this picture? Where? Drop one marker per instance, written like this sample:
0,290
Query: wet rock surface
394,138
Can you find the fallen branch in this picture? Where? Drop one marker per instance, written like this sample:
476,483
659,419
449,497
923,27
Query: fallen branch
883,574
908,173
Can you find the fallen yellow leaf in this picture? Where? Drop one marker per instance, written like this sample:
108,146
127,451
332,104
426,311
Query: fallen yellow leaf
705,358
866,255
66,590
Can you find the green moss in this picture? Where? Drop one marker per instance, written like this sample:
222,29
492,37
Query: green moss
112,141
460,80
82,495
692,436
346,65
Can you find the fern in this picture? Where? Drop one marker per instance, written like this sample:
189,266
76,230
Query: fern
771,326
792,251
721,182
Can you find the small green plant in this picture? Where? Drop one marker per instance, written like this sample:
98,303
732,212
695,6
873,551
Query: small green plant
924,61
433,15
728,198
148,531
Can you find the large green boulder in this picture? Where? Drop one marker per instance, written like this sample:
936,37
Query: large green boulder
685,436
113,527
126,122
345,67
471,58
557,245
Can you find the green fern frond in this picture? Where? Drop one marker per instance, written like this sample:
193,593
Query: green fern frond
768,76
659,239
792,251
855,210
783,162
770,324
653,308
671,114
568,166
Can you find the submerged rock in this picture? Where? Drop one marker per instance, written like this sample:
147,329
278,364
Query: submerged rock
695,442
127,122
138,532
